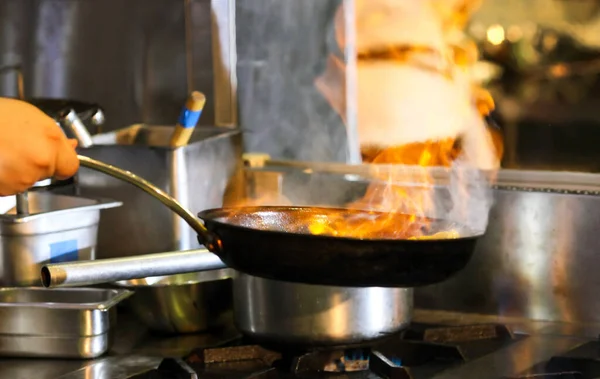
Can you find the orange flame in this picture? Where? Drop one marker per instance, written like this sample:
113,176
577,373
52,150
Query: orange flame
394,210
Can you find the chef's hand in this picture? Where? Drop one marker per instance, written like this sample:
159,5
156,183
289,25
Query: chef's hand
32,148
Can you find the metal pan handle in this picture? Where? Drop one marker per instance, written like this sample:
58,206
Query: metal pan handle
85,273
208,239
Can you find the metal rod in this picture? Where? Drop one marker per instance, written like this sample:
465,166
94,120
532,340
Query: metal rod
440,175
210,241
84,273
351,72
23,203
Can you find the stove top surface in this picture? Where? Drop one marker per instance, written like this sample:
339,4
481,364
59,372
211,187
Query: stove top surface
583,362
439,345
422,351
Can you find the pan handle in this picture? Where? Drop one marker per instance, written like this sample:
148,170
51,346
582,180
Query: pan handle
100,271
208,239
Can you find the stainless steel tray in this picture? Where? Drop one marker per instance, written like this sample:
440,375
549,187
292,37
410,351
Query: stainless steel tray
57,323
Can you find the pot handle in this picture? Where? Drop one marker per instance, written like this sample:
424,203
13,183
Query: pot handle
208,239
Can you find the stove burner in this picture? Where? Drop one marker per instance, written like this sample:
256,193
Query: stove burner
583,362
458,334
332,361
350,361
385,368
419,352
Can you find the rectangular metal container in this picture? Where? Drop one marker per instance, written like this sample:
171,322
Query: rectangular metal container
58,229
200,175
57,323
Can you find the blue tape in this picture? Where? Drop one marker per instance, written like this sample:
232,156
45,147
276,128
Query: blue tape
64,251
188,118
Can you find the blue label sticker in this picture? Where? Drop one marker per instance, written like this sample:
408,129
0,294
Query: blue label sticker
64,251
188,118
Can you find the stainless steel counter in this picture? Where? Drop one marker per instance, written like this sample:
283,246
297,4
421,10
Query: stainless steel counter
544,340
136,351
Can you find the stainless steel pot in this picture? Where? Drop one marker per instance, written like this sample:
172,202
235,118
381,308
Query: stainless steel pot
303,314
183,303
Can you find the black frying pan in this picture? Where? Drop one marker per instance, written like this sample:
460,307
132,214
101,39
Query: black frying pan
275,243
266,242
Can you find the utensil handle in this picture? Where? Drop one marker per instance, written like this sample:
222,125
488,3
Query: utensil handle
69,120
209,240
188,119
84,273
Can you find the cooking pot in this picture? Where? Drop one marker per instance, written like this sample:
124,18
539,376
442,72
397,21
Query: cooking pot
183,303
277,312
269,311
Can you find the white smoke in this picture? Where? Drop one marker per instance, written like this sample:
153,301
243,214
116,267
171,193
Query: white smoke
404,103
398,103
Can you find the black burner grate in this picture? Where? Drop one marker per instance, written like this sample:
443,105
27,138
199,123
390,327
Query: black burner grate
417,353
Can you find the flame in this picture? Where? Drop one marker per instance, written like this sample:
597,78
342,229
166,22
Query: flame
391,209
407,206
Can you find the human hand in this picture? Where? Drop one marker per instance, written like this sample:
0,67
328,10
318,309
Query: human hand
32,148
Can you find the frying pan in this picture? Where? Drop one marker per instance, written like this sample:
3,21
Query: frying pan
263,241
266,242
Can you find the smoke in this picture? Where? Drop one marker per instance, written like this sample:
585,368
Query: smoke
400,102
471,197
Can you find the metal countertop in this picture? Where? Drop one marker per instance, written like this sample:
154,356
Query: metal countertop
135,350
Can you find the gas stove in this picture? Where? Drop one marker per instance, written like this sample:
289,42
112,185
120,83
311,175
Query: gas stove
419,352
583,362
437,345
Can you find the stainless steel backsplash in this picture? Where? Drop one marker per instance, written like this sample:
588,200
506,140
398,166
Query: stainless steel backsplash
282,48
128,56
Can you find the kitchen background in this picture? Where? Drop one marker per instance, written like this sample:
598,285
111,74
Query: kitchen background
257,60
139,58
